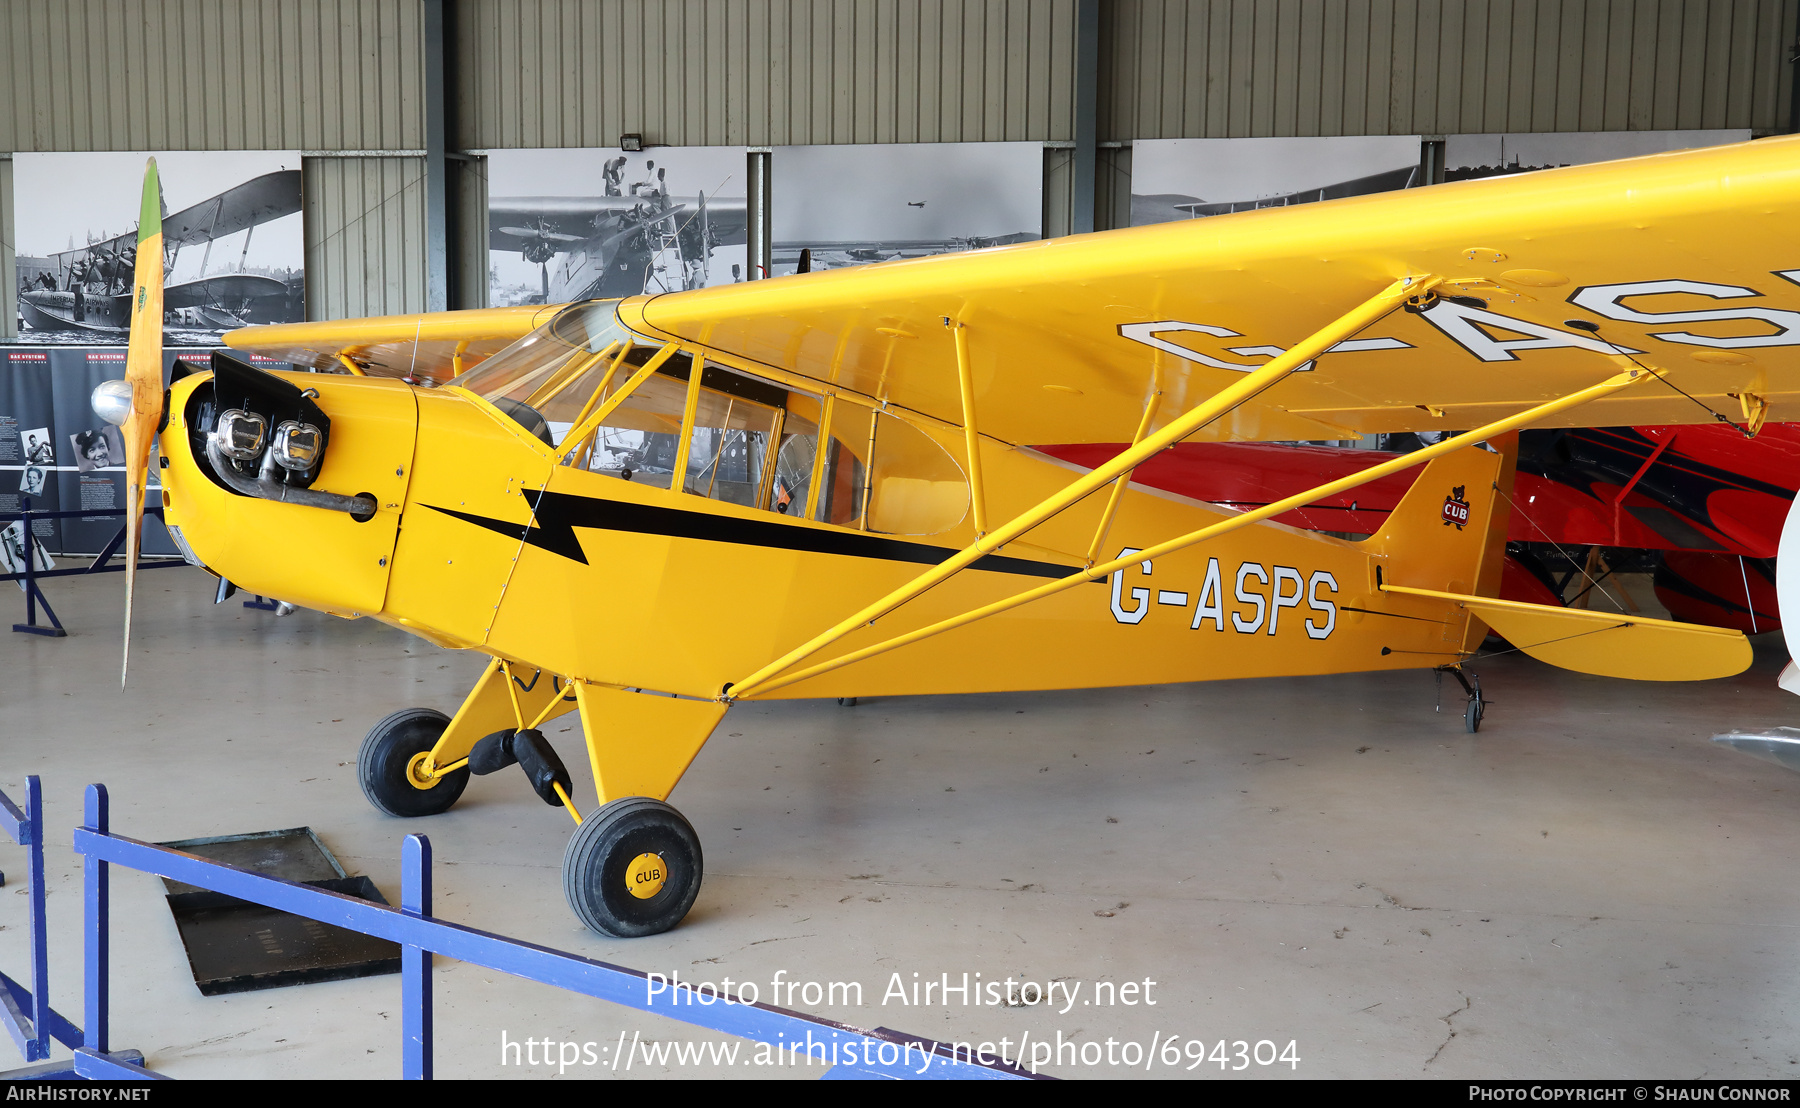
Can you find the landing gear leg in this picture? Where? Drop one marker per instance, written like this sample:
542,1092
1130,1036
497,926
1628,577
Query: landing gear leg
1471,683
633,867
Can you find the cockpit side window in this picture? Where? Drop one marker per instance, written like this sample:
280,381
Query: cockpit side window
639,439
741,439
753,442
883,474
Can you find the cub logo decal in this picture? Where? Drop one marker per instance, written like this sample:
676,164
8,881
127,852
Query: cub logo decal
1456,509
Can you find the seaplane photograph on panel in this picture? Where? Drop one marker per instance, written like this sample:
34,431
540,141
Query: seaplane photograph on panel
233,252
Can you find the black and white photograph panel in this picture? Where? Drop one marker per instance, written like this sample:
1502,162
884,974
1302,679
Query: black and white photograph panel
12,551
38,450
233,252
1467,157
1175,179
32,480
837,206
577,224
97,448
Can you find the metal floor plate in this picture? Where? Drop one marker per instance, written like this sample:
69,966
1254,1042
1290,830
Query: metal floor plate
234,946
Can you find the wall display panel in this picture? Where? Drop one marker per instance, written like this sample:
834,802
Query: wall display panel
233,251
55,451
1175,179
1467,157
850,205
582,223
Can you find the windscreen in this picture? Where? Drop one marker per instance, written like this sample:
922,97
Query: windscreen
544,380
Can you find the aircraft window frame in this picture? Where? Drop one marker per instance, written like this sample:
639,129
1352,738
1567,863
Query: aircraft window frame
814,485
775,420
572,371
579,435
831,451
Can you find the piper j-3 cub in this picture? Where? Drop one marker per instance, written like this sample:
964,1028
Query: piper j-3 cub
853,448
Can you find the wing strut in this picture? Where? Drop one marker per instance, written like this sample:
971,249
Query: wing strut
971,435
1118,490
1215,406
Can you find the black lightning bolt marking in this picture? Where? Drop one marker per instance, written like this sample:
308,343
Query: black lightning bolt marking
556,515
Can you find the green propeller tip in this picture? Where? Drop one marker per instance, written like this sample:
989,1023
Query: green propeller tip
150,212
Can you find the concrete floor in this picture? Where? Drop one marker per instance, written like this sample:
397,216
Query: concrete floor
1589,888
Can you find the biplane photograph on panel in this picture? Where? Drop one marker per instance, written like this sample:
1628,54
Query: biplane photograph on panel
232,246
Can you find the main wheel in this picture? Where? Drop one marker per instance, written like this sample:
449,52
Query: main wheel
391,753
632,868
1473,713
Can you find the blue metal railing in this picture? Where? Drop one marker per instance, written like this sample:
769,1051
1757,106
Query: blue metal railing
26,1012
846,1052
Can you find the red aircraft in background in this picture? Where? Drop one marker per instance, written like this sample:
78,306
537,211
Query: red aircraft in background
1711,501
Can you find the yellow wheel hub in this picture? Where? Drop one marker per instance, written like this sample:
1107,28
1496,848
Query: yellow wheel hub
646,876
415,772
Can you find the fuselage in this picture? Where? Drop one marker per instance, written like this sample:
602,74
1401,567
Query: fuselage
485,539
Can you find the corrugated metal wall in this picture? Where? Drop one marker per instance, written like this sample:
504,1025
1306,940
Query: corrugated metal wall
468,201
210,75
1237,68
365,221
242,74
763,72
346,76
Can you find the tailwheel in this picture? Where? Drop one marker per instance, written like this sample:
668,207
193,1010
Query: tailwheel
1477,704
1473,713
392,757
632,868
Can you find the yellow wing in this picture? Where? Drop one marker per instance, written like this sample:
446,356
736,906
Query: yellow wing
1686,259
435,346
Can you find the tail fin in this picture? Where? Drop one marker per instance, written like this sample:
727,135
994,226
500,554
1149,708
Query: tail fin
1449,531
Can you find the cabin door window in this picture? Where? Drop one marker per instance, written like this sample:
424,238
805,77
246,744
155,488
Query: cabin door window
752,443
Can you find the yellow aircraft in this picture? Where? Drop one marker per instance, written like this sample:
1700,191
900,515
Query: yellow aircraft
646,510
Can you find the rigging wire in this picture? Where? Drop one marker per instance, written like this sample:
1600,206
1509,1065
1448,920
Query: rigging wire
1593,582
1547,642
1593,329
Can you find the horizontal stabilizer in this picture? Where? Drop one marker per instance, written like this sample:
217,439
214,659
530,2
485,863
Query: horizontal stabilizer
1606,643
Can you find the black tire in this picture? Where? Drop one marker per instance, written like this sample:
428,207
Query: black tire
599,858
1473,713
388,751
